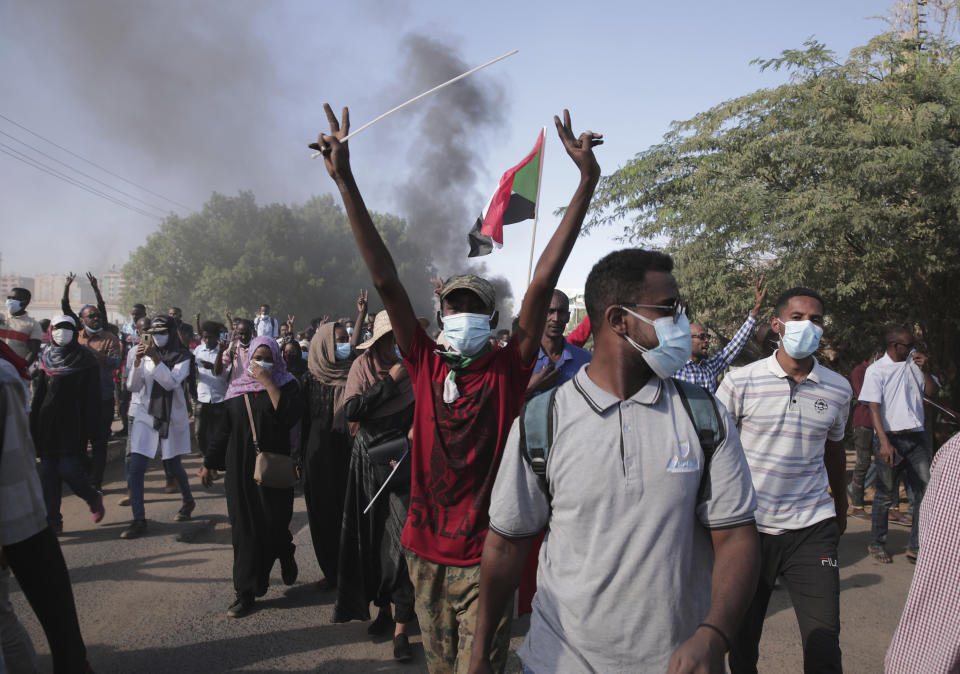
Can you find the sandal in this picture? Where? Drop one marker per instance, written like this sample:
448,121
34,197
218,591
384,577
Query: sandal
879,554
911,556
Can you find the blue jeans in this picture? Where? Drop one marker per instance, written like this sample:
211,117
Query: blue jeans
914,469
127,452
67,469
135,472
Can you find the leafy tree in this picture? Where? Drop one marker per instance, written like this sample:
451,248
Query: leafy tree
235,255
846,179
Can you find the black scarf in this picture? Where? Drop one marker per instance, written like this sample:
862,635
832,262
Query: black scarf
59,360
161,400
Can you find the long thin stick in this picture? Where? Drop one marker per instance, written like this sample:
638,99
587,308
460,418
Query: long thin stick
385,483
417,98
536,206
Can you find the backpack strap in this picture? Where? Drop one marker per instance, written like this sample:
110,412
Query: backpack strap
701,407
536,431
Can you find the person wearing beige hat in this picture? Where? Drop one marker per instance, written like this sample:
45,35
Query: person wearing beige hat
379,404
467,397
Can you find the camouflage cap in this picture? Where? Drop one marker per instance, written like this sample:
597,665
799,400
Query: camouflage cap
478,286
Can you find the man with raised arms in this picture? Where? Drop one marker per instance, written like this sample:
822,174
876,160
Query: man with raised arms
466,400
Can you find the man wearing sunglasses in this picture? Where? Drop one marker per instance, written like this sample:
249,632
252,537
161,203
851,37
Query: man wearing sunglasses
639,570
893,388
704,369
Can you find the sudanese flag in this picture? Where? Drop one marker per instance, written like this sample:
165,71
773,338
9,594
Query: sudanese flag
515,199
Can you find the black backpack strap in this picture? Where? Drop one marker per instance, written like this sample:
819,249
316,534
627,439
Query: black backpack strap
536,432
701,407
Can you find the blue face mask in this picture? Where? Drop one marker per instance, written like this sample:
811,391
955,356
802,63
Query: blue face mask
396,350
800,338
304,354
467,333
13,306
266,365
92,331
343,350
673,344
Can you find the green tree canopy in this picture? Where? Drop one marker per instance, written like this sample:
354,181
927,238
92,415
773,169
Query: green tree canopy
845,180
235,255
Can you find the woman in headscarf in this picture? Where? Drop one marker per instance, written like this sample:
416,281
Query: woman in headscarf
66,403
326,457
160,372
379,405
259,516
293,357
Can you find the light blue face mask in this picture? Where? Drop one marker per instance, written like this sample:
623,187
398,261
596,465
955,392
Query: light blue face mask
304,355
800,338
673,344
467,333
343,350
266,365
13,306
92,331
396,350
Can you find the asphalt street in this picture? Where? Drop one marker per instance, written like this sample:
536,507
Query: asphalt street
158,604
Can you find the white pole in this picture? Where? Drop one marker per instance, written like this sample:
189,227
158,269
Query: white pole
536,206
417,98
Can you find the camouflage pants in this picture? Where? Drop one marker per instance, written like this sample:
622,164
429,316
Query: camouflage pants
446,603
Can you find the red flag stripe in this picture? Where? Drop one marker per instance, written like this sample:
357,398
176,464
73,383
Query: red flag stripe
493,221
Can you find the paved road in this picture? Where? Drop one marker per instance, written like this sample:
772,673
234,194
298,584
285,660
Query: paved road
157,604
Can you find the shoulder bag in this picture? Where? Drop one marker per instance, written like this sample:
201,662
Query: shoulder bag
277,471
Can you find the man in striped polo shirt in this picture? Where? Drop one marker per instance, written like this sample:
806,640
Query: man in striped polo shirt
791,412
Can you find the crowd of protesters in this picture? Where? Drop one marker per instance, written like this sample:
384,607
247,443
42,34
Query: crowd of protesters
642,495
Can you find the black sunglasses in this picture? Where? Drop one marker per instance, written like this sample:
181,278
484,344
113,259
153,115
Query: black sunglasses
677,308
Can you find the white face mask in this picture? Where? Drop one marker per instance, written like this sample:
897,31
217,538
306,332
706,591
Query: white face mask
467,333
161,340
343,350
673,344
62,336
800,338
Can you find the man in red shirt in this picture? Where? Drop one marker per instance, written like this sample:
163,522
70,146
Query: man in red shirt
466,400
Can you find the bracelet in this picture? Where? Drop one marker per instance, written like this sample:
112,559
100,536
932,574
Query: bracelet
718,631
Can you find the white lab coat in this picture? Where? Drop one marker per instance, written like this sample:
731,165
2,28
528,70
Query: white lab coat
144,439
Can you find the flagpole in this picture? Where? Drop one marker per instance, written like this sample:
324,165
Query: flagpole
536,206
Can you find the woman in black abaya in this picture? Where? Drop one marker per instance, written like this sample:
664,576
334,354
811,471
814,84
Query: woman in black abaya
259,516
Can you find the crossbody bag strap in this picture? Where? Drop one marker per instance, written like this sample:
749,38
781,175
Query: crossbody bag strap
253,428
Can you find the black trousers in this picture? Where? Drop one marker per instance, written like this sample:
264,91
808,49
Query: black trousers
207,417
806,559
123,408
38,565
98,444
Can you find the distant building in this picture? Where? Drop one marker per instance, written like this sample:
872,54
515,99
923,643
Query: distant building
10,281
112,285
47,292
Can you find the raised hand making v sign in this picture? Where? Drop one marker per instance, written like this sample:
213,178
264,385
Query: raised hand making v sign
458,439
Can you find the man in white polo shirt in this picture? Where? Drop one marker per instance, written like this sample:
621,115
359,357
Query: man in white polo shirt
893,388
791,412
639,571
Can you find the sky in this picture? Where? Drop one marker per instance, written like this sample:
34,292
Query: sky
184,98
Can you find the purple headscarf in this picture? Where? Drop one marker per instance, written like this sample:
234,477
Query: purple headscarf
245,383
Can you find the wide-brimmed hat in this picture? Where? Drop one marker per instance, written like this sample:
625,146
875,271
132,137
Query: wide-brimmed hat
381,326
